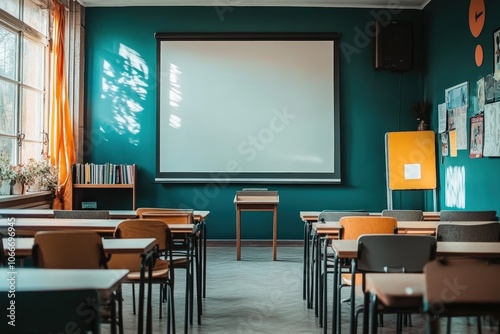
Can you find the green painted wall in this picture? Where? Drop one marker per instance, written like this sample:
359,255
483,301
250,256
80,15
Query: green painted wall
450,54
120,123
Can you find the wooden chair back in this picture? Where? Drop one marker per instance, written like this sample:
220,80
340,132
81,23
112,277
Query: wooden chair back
68,250
351,227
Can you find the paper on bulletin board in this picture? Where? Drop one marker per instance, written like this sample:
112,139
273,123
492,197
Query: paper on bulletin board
442,117
453,143
461,127
413,172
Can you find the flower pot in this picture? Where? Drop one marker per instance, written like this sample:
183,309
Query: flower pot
5,188
18,188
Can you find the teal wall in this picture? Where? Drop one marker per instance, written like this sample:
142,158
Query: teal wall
120,124
450,54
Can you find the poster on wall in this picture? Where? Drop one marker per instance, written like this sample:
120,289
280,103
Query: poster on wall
480,95
496,53
457,96
476,137
489,88
453,143
444,144
460,114
491,144
442,117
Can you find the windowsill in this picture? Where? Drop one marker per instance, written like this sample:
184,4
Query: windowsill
39,200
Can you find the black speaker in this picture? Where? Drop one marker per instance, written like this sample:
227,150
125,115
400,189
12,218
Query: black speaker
393,46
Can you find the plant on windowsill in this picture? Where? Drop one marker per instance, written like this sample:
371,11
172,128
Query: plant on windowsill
41,175
6,174
20,179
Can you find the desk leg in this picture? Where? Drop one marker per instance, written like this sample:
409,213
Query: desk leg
304,267
324,284
238,234
275,232
204,262
335,308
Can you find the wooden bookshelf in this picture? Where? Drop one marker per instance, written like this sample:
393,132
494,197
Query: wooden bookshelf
131,186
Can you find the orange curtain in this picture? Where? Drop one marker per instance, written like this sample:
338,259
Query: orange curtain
61,144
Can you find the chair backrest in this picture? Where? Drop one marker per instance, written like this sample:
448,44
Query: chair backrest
145,228
461,282
455,215
395,253
404,215
334,215
351,227
489,232
81,214
68,250
141,228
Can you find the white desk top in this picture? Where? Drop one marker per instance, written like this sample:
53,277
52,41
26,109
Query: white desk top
36,279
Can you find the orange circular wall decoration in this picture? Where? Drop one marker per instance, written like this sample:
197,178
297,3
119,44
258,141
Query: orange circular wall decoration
477,15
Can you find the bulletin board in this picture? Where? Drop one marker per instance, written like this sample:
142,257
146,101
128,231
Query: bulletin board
411,160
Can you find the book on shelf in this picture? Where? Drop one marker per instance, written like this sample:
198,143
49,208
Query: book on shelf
107,173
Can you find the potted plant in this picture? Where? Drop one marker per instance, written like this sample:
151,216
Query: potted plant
20,179
6,174
41,175
422,110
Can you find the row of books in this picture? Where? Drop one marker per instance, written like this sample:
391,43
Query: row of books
108,173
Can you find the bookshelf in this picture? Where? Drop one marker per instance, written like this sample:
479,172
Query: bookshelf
103,176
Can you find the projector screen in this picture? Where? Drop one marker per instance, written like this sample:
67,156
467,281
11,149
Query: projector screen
251,108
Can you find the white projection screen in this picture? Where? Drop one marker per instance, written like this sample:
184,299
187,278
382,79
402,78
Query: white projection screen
248,108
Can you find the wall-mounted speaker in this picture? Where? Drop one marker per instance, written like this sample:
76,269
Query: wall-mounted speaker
393,45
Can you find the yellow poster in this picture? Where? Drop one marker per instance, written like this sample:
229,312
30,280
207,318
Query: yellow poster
453,143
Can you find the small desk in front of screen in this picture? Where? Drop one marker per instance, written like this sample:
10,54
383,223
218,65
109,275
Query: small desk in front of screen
256,201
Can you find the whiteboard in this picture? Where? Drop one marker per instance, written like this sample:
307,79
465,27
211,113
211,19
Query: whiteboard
248,108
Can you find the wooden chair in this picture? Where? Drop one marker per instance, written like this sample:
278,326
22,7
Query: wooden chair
163,271
489,232
182,247
325,216
460,287
74,250
351,228
390,254
81,214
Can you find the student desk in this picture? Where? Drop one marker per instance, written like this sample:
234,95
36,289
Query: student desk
53,280
111,246
348,249
256,201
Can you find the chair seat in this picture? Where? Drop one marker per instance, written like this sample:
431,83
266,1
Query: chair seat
347,279
159,271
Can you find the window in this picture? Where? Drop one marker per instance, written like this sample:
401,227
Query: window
23,78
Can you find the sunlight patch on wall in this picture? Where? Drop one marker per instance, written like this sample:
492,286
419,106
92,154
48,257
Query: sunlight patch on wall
455,187
124,83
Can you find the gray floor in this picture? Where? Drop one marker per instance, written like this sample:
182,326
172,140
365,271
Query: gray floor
256,295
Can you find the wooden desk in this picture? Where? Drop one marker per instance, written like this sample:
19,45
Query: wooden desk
348,249
59,280
24,248
312,216
397,291
199,215
256,201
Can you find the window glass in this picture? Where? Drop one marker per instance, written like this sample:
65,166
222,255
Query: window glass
11,7
36,15
33,60
31,114
7,108
8,53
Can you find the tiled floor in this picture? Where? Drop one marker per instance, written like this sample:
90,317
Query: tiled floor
256,295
